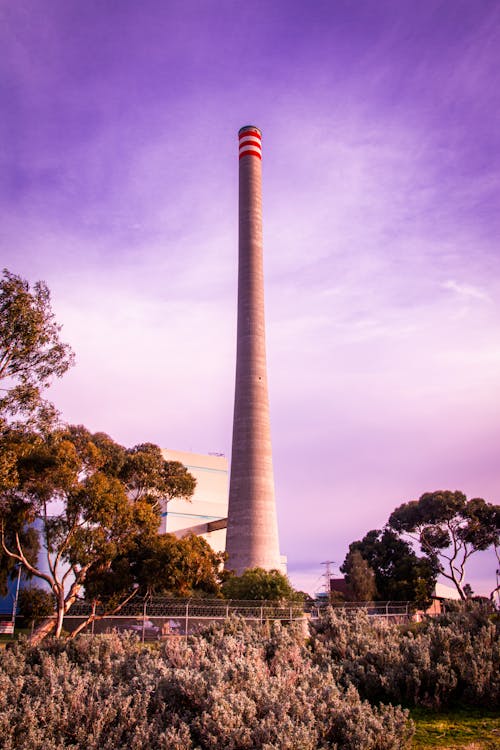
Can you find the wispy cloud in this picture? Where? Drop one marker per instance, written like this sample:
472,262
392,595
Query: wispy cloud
467,291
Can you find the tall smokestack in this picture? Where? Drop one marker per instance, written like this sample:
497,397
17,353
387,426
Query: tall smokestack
252,528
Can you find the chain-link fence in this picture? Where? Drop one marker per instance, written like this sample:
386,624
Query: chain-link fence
388,610
158,617
396,613
161,617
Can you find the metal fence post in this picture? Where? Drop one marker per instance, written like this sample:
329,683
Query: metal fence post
187,619
144,610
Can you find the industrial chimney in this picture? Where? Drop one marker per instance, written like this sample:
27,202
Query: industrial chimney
252,529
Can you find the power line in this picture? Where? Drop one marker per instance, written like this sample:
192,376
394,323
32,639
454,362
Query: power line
328,574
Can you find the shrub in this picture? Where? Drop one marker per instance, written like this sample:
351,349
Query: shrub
450,661
259,584
234,687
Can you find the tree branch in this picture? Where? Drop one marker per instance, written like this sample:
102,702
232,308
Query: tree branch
64,545
21,557
93,617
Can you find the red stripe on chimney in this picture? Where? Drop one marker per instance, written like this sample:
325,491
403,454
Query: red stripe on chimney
250,153
250,132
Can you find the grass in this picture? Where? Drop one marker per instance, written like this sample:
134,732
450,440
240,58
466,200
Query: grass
469,729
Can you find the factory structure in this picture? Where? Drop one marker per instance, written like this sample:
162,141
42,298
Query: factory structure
205,514
246,526
252,529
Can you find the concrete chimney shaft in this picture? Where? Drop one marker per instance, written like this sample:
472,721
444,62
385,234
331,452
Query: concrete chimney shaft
252,529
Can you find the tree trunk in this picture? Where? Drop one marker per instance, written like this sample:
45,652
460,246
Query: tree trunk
61,611
43,630
56,621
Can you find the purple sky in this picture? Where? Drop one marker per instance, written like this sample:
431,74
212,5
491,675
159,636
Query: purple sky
381,127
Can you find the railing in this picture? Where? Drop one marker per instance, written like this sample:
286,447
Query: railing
199,608
159,617
387,609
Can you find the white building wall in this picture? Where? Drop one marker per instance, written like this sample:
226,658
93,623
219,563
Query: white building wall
210,499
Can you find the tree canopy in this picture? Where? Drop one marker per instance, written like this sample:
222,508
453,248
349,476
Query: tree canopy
399,574
78,511
72,491
259,584
449,529
160,565
148,476
360,578
31,352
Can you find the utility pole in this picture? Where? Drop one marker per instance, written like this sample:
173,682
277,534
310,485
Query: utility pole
16,597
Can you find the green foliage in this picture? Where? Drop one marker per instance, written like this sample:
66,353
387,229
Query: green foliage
161,564
360,578
259,584
193,568
399,574
35,604
31,353
30,542
450,530
76,489
236,687
147,475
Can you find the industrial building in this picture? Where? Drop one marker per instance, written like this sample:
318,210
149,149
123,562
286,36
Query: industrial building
205,514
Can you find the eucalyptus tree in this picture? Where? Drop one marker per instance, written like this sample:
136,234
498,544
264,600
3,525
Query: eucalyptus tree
450,529
31,356
399,574
70,491
31,352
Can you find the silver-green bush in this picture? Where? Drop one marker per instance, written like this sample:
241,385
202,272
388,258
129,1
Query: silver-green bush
234,687
450,661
